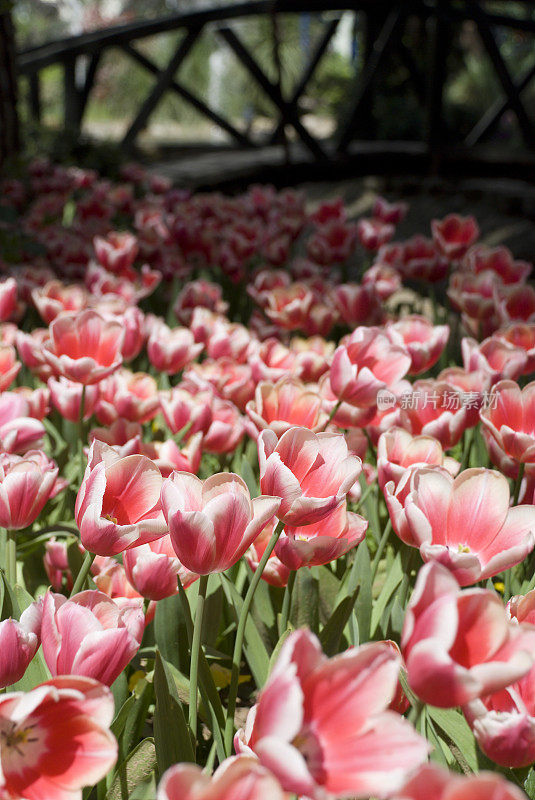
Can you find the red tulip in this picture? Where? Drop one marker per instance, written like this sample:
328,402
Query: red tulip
89,635
8,298
58,739
322,727
460,645
213,522
481,258
84,347
237,778
118,503
358,304
117,252
521,334
374,233
454,234
311,473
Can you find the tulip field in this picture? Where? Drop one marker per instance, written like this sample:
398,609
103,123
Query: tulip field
267,498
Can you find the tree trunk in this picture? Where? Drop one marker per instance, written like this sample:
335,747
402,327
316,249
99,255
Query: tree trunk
9,122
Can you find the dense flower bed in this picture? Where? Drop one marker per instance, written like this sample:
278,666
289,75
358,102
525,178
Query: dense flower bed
267,499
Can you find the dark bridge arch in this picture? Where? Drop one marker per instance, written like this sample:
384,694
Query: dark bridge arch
384,24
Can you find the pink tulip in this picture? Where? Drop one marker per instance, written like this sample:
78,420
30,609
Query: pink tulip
237,778
153,569
56,739
127,395
110,578
198,293
271,360
228,340
230,380
322,542
289,307
373,233
26,483
454,234
439,409
181,408
313,357
516,303
56,564
498,358
117,252
504,723
169,457
510,419
397,449
393,213
84,347
226,430
432,781
30,349
521,334
481,258
383,279
125,437
322,726
9,366
423,341
8,299
474,295
38,400
66,397
275,572
18,645
365,364
213,522
417,259
55,297
171,349
118,503
332,243
460,645
89,635
286,404
466,523
358,304
312,473
133,322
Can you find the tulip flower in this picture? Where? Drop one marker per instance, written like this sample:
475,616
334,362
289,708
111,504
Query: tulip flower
432,781
521,334
393,213
236,778
423,341
311,473
454,234
26,483
55,297
198,293
169,457
499,358
322,727
181,408
465,523
89,635
226,430
56,564
8,298
171,349
228,340
153,569
499,260
118,503
397,449
56,739
213,522
373,233
127,395
117,252
504,723
460,645
66,397
320,543
510,419
275,572
30,349
18,645
9,366
439,409
286,404
84,347
365,364
516,303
